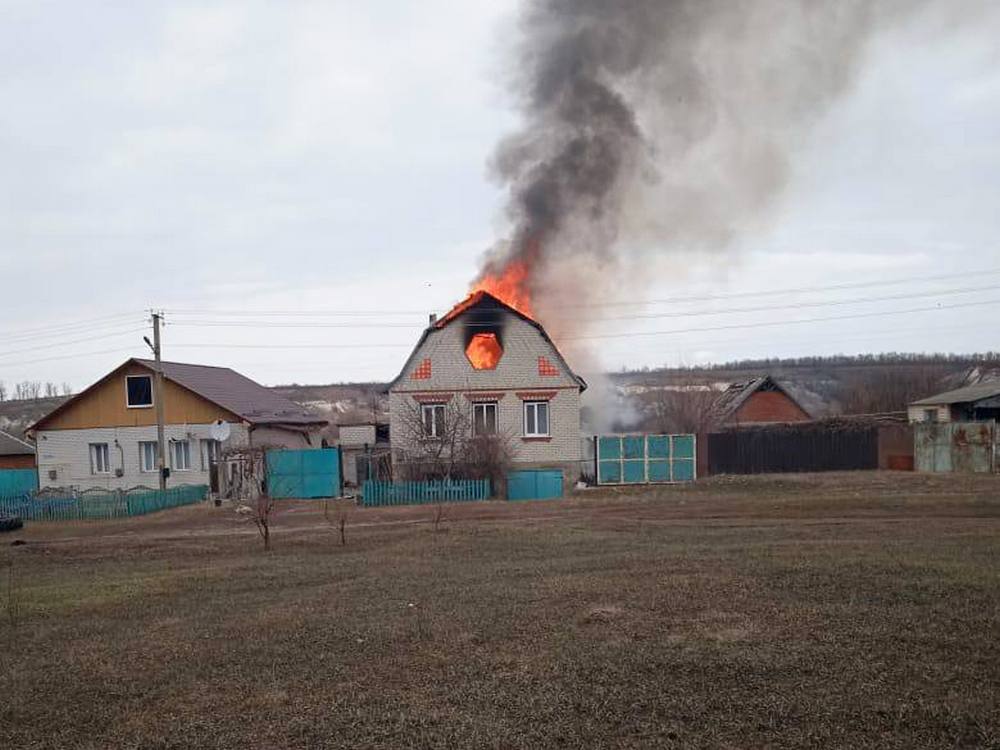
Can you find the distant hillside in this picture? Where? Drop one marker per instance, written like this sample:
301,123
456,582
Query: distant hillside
824,385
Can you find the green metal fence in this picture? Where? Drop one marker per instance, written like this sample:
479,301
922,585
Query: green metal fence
375,494
99,506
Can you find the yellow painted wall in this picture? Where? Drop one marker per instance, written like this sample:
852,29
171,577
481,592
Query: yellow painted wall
104,406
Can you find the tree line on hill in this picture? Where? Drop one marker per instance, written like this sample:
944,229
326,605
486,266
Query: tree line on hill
32,390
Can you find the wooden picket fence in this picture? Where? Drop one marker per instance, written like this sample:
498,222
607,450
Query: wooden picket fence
378,494
99,506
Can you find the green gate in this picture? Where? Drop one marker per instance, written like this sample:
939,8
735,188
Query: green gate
645,459
304,474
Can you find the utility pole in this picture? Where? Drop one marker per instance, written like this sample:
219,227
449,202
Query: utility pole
161,446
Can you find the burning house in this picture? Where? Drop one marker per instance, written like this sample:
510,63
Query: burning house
486,369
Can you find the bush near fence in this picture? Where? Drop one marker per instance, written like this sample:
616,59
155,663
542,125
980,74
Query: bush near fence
99,506
376,494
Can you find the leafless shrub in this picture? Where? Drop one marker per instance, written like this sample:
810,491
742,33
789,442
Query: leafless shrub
449,449
246,478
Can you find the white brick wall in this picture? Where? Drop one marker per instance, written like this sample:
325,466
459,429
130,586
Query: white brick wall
67,452
517,371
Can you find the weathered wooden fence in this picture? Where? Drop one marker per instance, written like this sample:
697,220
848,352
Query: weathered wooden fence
375,494
99,506
779,449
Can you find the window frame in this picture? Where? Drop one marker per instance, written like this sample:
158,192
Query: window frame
142,456
152,393
533,405
433,433
174,454
485,405
94,449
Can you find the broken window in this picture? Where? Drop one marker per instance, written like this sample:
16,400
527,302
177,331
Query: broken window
536,418
484,351
484,418
433,418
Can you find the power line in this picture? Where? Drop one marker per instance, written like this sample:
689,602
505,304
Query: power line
69,331
75,355
59,328
583,305
61,344
766,324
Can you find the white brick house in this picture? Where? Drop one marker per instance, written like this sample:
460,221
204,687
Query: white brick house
523,389
105,436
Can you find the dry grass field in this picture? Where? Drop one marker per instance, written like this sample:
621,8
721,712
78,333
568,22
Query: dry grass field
845,610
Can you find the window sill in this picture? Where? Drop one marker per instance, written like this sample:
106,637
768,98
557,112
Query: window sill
536,438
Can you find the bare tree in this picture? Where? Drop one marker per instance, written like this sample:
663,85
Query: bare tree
3,391
887,390
683,410
51,390
245,470
67,389
441,444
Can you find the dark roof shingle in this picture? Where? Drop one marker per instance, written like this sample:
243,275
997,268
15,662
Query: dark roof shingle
12,446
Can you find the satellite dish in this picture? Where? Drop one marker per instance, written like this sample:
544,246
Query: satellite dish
220,431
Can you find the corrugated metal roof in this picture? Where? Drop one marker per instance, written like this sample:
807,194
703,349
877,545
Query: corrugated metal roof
237,393
12,446
969,393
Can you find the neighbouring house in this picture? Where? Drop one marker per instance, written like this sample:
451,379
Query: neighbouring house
364,450
105,436
762,400
973,403
497,370
15,453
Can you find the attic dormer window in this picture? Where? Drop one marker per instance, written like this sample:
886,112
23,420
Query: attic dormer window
138,391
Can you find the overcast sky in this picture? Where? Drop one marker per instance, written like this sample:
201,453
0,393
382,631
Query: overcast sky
316,158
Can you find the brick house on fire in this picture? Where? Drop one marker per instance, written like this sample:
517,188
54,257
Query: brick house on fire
499,367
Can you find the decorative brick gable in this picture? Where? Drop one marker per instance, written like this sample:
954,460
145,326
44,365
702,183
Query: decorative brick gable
546,368
423,371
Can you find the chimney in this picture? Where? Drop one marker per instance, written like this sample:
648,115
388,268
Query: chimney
433,319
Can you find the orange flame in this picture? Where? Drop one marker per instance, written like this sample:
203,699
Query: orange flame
484,351
509,286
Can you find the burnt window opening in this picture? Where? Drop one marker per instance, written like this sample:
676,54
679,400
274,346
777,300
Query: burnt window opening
484,351
484,337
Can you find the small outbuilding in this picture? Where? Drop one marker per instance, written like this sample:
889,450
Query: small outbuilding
761,400
973,403
15,453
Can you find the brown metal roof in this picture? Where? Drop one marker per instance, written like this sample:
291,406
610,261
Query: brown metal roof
247,399
12,446
237,393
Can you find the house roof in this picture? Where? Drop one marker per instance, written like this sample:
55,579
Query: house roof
12,446
731,399
236,393
478,298
969,393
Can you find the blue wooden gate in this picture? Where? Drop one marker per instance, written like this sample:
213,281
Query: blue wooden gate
534,484
645,459
17,481
305,473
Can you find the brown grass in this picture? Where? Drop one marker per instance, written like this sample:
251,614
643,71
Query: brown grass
853,610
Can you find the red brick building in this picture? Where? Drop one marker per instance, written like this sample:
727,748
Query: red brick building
15,453
759,401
